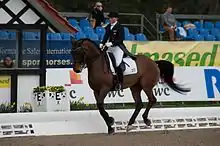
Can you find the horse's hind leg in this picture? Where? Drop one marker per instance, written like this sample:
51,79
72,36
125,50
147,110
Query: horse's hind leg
136,93
152,100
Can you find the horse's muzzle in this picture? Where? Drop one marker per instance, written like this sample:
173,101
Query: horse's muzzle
77,68
77,71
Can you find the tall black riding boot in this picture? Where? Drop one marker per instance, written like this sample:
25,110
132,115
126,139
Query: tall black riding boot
119,85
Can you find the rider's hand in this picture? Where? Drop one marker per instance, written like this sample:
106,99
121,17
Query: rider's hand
109,44
101,46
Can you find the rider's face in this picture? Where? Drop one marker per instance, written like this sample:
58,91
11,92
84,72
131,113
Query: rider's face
113,20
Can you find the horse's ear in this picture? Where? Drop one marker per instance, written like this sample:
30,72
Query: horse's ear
73,40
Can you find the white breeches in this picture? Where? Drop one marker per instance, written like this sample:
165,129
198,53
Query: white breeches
118,54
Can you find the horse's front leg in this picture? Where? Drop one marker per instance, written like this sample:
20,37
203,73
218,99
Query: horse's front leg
100,96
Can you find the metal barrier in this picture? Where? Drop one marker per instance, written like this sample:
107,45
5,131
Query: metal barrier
144,25
183,17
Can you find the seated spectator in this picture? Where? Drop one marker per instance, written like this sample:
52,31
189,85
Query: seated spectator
97,15
169,23
7,63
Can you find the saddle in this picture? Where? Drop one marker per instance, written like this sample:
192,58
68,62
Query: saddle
112,58
128,66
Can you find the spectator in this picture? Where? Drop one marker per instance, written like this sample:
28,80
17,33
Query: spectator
98,17
169,23
7,63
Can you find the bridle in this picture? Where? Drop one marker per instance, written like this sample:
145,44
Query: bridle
80,50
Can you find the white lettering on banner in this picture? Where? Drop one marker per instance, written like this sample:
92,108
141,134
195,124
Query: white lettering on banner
192,77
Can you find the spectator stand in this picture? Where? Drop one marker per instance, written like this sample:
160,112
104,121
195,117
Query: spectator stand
207,27
23,20
141,30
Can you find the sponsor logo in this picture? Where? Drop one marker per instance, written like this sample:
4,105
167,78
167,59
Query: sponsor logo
75,78
157,91
212,80
161,91
114,94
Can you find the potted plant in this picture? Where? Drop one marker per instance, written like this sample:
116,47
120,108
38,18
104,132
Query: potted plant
50,98
41,89
7,108
26,107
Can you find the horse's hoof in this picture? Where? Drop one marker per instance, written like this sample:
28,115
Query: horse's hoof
147,122
165,131
111,121
129,128
111,131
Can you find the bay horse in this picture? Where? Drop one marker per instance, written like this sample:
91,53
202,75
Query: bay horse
86,53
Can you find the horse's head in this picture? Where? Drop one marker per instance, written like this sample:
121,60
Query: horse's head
84,51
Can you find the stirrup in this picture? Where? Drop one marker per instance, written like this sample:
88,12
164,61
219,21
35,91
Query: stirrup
118,87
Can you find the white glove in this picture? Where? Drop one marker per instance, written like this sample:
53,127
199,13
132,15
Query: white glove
109,44
101,46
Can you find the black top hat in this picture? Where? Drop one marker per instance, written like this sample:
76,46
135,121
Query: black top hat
113,14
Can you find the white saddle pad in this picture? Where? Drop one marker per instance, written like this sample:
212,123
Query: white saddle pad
130,66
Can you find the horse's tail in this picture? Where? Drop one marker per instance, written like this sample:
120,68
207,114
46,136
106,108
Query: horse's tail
166,73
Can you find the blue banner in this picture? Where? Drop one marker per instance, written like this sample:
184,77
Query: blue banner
57,53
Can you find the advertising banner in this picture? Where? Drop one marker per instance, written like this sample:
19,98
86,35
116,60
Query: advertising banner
5,89
58,52
180,53
203,81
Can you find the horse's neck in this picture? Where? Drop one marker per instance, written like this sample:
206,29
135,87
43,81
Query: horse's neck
94,61
96,66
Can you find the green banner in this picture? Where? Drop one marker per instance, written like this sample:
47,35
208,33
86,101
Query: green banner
180,53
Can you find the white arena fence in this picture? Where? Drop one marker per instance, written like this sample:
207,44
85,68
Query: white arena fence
87,122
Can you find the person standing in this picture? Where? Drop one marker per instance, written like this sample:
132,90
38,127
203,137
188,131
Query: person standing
98,18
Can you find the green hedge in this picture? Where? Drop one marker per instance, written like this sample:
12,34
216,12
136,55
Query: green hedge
79,105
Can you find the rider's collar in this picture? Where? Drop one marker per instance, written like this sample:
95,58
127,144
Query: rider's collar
114,23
